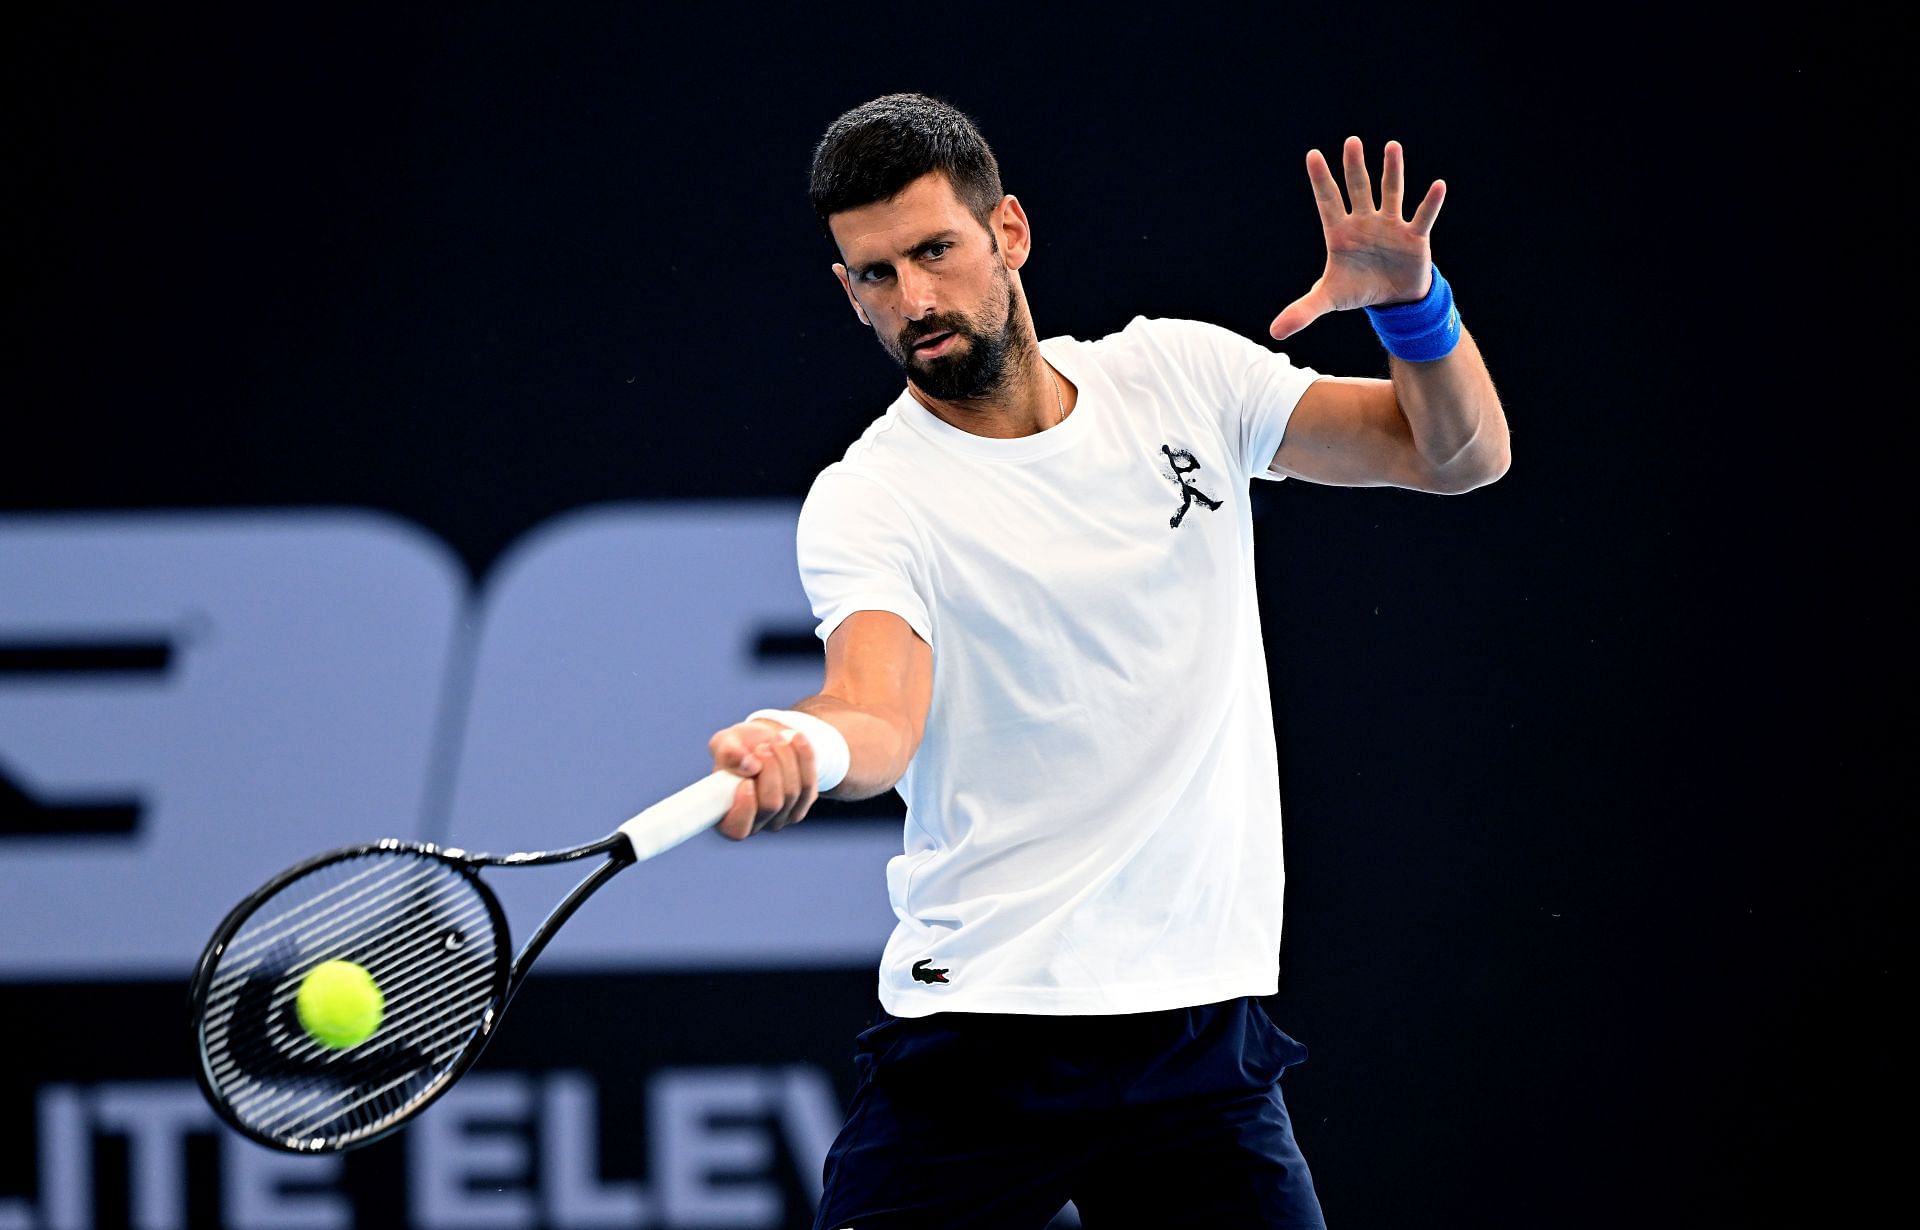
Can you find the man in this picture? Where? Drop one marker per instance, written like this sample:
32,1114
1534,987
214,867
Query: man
1034,575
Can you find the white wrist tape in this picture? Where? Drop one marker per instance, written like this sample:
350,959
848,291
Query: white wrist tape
831,757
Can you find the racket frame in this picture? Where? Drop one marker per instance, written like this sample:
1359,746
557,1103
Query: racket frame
510,970
653,831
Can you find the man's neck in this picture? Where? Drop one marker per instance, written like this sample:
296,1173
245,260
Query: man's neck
1028,401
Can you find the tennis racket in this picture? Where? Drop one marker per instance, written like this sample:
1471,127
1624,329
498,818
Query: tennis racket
418,918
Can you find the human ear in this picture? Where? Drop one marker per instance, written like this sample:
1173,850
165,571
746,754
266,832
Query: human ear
1009,221
846,284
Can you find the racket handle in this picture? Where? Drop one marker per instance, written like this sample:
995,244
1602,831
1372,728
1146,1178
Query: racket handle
680,815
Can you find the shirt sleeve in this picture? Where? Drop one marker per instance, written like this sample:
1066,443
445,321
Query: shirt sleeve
1254,389
859,551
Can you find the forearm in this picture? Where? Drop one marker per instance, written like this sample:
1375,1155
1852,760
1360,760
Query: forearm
1459,429
857,734
880,743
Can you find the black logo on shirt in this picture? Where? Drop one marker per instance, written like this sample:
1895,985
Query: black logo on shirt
922,974
1182,463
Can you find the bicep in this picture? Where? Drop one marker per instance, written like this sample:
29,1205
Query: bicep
1349,432
877,662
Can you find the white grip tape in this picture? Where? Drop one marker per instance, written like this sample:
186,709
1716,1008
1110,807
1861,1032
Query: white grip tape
680,815
831,756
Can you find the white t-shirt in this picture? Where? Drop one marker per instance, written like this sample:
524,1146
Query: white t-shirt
1093,815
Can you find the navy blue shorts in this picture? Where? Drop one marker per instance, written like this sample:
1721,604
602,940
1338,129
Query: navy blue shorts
1155,1119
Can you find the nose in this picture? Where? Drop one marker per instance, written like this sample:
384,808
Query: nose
916,294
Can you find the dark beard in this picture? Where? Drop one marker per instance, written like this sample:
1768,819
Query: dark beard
980,370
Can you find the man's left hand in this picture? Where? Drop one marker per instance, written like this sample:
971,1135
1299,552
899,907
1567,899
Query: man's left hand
1375,257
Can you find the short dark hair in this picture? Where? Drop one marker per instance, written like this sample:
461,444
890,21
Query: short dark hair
875,150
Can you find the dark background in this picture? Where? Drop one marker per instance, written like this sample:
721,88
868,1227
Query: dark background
1590,905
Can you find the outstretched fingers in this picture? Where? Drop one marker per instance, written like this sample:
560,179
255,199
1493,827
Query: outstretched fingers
1326,193
1301,313
1353,157
1372,249
1423,217
1393,179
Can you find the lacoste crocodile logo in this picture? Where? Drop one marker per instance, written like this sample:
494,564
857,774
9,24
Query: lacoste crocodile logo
922,974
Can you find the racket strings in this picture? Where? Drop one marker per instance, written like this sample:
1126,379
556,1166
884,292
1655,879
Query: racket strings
425,931
405,1003
463,909
319,935
308,913
421,1032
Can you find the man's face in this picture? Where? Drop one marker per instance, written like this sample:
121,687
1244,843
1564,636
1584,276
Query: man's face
935,286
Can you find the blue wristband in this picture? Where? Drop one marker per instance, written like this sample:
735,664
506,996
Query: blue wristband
1423,331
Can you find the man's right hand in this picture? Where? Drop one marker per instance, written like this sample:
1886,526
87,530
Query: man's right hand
878,685
777,764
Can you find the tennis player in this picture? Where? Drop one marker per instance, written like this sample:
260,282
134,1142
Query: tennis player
1034,577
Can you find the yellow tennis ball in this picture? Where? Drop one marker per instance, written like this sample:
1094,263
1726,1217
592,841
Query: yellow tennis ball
339,1004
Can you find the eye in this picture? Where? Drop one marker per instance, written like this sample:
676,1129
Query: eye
936,250
875,273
